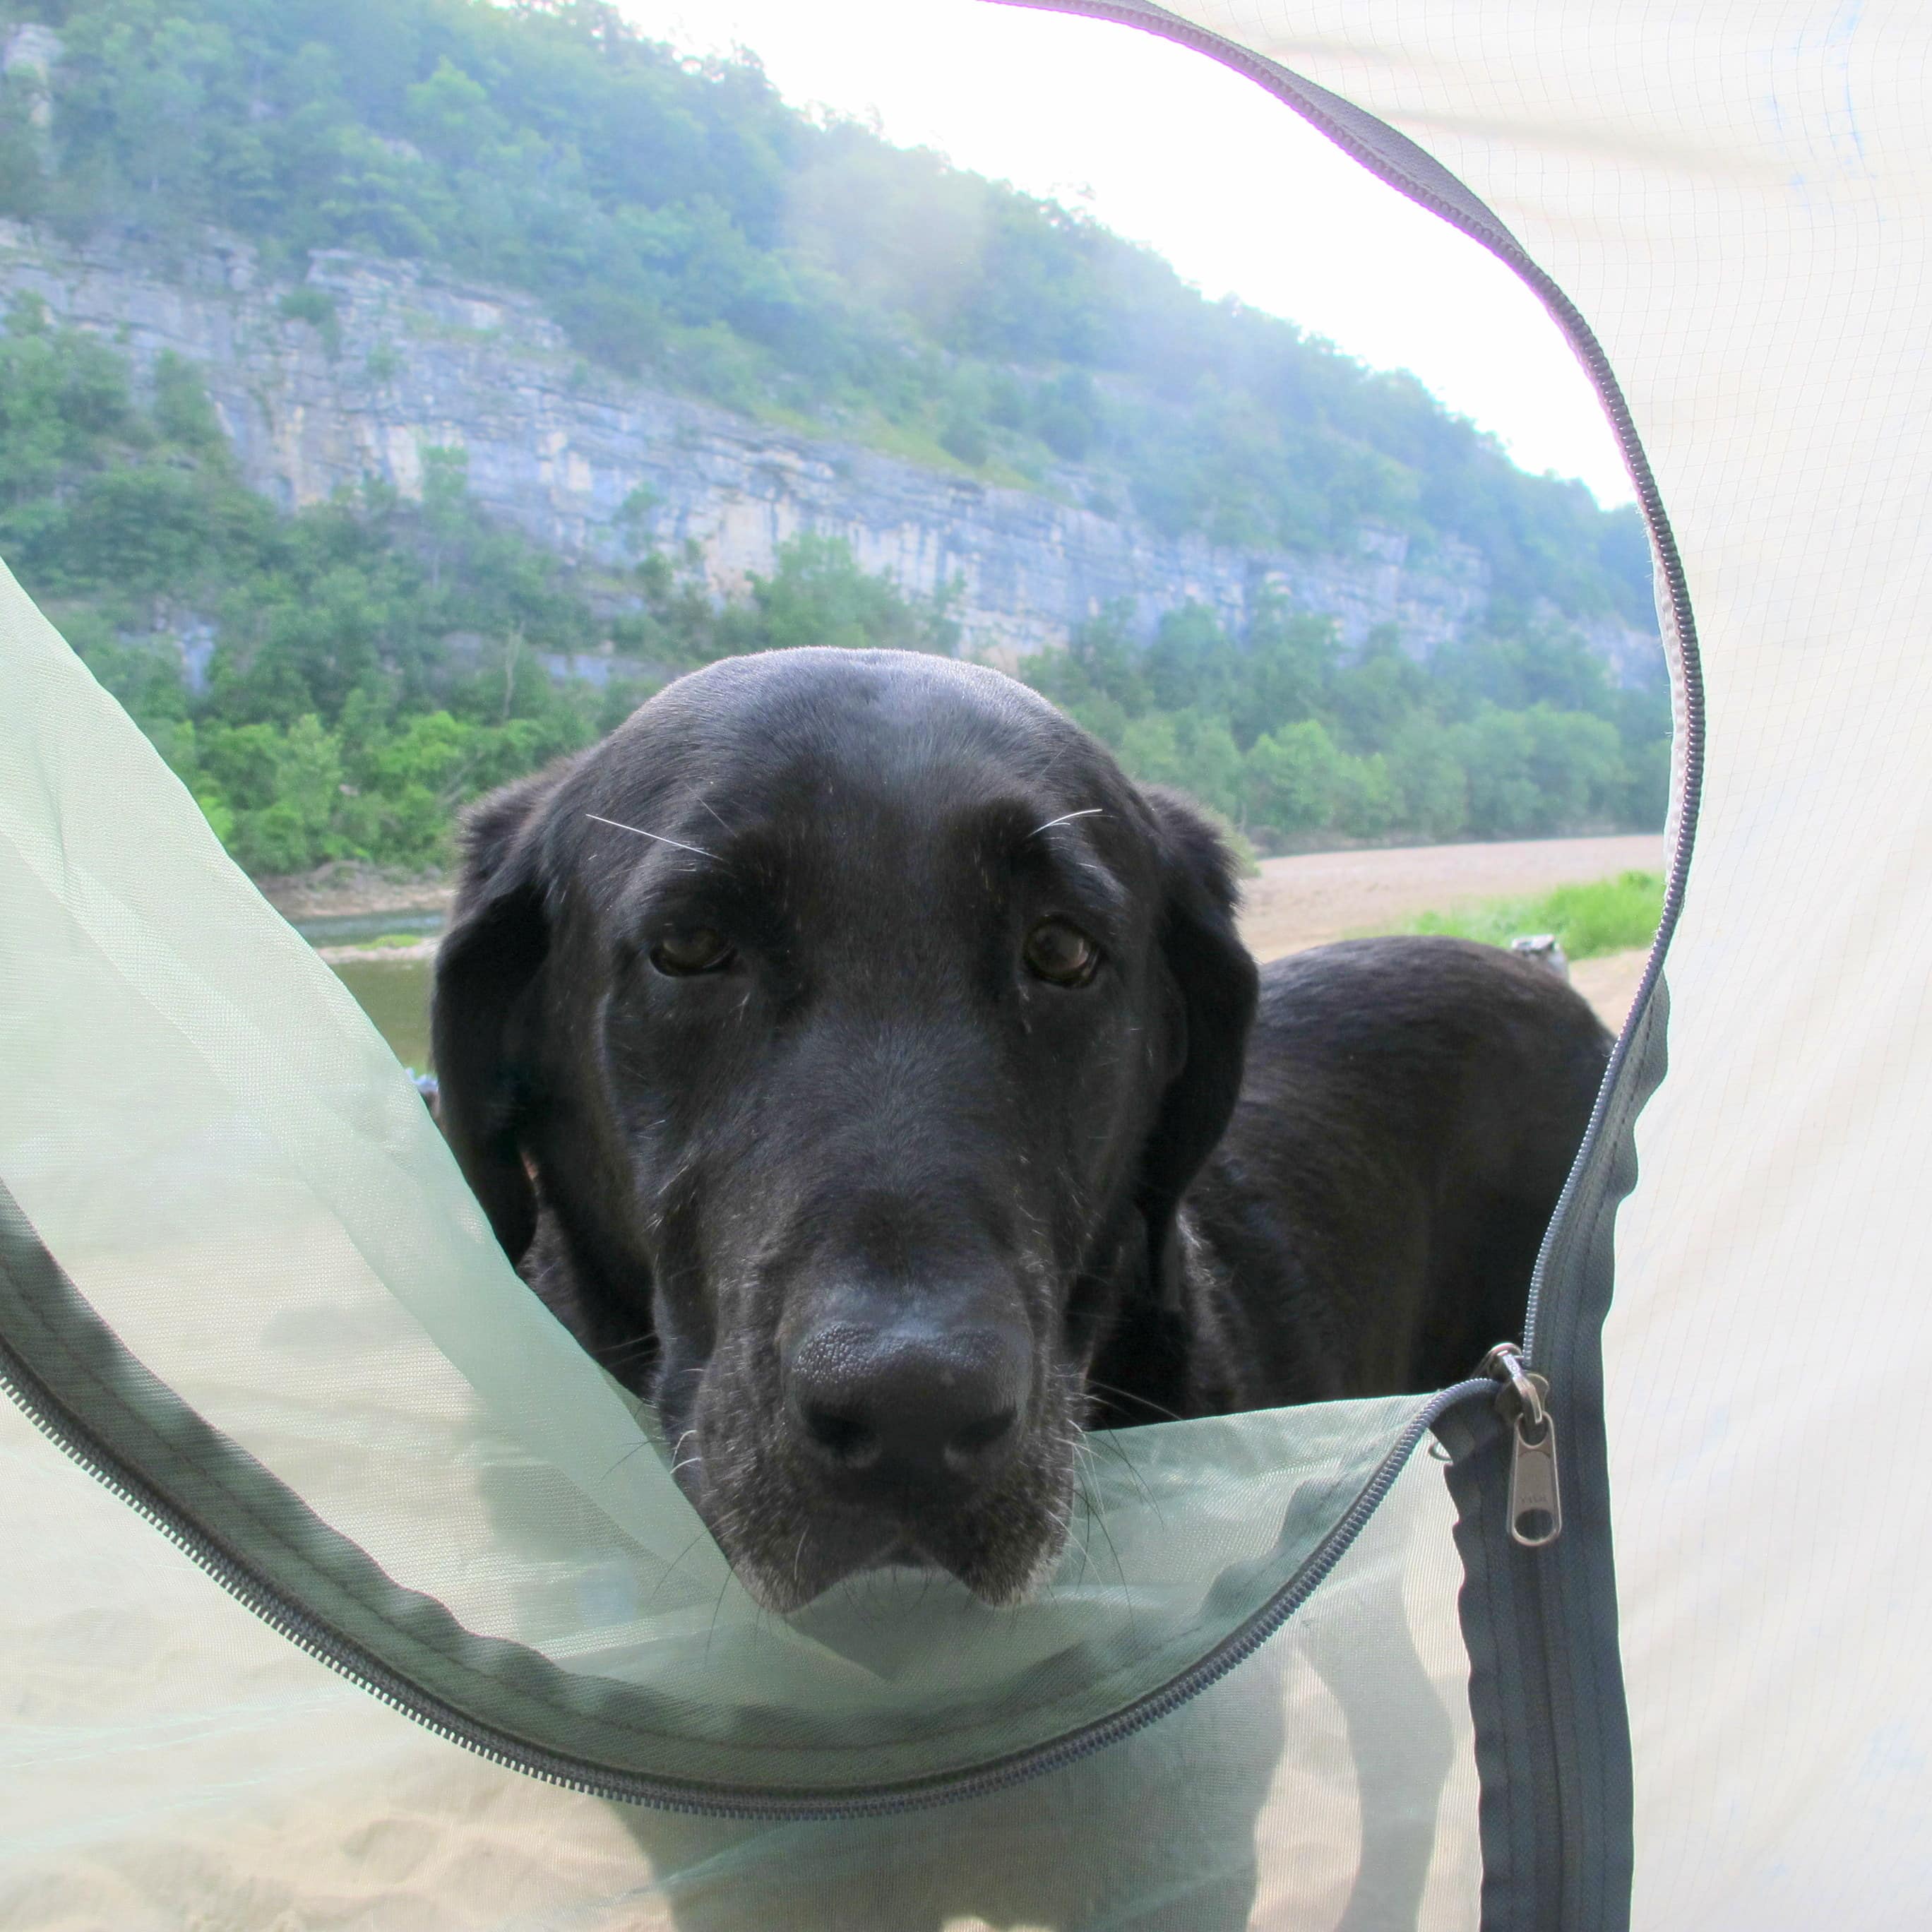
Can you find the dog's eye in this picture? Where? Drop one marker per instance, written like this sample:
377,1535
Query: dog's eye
700,950
1060,954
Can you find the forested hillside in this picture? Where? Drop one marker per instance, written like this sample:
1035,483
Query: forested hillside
684,221
374,662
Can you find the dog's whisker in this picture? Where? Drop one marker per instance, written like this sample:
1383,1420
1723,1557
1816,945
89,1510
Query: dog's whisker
1099,1521
618,825
1063,1523
1088,811
642,1443
1102,1439
1139,1401
724,1591
665,1576
701,799
618,1350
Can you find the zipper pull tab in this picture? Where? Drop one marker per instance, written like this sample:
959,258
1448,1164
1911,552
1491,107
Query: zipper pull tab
1535,1500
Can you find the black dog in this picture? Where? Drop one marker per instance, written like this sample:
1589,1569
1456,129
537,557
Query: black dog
840,1048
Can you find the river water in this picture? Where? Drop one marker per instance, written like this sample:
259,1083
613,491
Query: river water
394,993
396,997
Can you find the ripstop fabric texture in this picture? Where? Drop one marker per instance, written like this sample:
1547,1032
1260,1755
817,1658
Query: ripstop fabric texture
1735,196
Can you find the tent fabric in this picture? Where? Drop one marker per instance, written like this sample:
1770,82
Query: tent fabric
291,1321
1734,197
170,1761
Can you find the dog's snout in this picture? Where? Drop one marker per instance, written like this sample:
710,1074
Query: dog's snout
896,1412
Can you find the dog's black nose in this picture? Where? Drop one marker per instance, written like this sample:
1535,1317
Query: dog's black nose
899,1412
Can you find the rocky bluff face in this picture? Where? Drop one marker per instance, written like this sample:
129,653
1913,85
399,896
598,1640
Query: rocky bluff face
594,465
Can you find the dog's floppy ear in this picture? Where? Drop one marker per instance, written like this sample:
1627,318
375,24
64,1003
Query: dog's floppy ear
1214,977
497,941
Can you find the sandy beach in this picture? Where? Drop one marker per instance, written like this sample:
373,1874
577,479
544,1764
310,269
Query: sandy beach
1312,898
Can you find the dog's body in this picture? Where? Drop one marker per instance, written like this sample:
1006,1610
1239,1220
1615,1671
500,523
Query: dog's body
1369,1222
861,1066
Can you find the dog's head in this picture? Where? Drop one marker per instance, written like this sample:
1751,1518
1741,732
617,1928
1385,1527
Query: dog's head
858,1026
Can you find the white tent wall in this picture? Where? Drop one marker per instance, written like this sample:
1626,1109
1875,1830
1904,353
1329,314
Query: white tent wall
1735,196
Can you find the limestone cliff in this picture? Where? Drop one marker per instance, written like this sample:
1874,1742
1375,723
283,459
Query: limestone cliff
394,361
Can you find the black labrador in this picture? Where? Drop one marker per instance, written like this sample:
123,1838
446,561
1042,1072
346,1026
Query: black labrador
866,1070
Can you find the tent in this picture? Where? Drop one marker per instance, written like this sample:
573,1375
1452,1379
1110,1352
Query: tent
425,1638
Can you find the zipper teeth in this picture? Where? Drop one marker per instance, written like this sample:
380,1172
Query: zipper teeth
315,1640
1279,82
260,1599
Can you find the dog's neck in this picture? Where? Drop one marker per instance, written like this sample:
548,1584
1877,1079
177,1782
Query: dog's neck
1170,1353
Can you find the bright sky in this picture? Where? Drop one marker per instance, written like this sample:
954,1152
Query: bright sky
1149,138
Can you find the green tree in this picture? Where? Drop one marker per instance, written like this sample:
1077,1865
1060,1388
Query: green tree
1288,672
1372,695
1294,778
377,661
1368,802
1431,785
819,595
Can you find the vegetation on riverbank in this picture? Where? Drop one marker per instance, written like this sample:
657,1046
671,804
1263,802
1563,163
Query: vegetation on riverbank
337,683
1515,734
1608,915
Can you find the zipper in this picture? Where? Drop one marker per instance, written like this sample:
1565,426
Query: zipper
1535,1498
1531,1617
1535,1509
